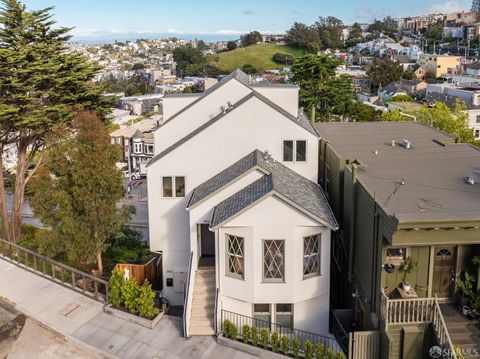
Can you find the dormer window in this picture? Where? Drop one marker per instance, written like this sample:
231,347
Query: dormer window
294,151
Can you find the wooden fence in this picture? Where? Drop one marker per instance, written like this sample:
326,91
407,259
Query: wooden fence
363,345
55,271
141,271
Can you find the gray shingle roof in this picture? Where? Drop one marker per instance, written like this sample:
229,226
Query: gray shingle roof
303,193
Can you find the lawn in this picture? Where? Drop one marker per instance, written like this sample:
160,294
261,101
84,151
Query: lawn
259,56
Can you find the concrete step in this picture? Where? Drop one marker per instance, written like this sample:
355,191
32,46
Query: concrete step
208,296
201,330
204,289
470,327
201,320
203,310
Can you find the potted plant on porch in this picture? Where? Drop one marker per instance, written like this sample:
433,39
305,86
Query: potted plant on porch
464,285
408,266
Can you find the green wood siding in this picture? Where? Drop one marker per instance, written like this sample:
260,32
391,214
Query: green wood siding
417,278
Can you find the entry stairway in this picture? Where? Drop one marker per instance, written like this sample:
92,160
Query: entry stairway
464,333
203,303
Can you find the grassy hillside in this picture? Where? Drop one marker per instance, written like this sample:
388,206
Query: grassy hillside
259,56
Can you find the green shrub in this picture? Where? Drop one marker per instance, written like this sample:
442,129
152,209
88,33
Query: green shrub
275,341
146,301
330,354
308,349
295,347
246,333
226,328
233,332
115,284
320,351
254,336
284,343
340,355
264,335
130,292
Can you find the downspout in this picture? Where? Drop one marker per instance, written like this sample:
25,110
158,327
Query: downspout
352,231
373,294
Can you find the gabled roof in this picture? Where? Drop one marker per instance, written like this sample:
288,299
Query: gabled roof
238,75
301,120
300,192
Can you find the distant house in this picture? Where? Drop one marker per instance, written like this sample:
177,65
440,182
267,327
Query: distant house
141,104
400,191
136,141
439,65
402,87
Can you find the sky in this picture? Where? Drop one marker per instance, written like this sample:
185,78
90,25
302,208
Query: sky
107,20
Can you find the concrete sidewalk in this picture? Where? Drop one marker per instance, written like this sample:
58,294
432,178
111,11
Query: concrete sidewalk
82,320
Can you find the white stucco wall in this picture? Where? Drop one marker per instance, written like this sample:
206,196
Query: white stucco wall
285,97
274,219
253,125
192,118
173,104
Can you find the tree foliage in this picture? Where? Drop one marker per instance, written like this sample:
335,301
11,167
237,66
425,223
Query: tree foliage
191,62
320,88
134,86
41,85
303,37
251,38
325,33
231,45
383,72
76,191
355,36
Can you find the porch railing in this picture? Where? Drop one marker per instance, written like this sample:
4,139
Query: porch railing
417,311
188,300
341,319
240,320
48,268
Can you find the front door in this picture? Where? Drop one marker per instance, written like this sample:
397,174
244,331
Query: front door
443,271
207,239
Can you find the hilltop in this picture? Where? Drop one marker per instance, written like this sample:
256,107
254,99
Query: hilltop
259,56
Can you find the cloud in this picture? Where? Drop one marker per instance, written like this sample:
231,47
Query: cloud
448,7
248,12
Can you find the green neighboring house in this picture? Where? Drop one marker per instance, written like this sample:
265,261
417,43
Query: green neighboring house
399,190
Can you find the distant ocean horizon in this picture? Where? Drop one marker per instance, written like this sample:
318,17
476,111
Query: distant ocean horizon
110,39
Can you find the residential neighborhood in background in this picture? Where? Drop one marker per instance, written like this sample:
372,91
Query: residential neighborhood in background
312,193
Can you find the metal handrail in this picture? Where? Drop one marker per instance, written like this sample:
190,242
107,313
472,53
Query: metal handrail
54,265
239,320
215,313
186,288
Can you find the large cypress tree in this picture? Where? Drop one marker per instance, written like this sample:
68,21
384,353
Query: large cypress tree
42,85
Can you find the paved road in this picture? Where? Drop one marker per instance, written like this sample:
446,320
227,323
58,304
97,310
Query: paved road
139,221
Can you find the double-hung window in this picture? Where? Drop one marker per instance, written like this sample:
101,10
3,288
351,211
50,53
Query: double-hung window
173,186
284,315
274,260
261,312
294,151
311,256
235,256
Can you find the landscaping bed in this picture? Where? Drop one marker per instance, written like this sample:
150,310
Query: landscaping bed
123,314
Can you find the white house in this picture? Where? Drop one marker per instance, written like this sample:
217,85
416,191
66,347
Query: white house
235,208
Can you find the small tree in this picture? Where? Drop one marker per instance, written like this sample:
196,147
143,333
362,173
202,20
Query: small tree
76,191
284,344
275,341
264,337
115,284
320,351
407,267
295,347
246,333
308,349
231,45
146,301
254,336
